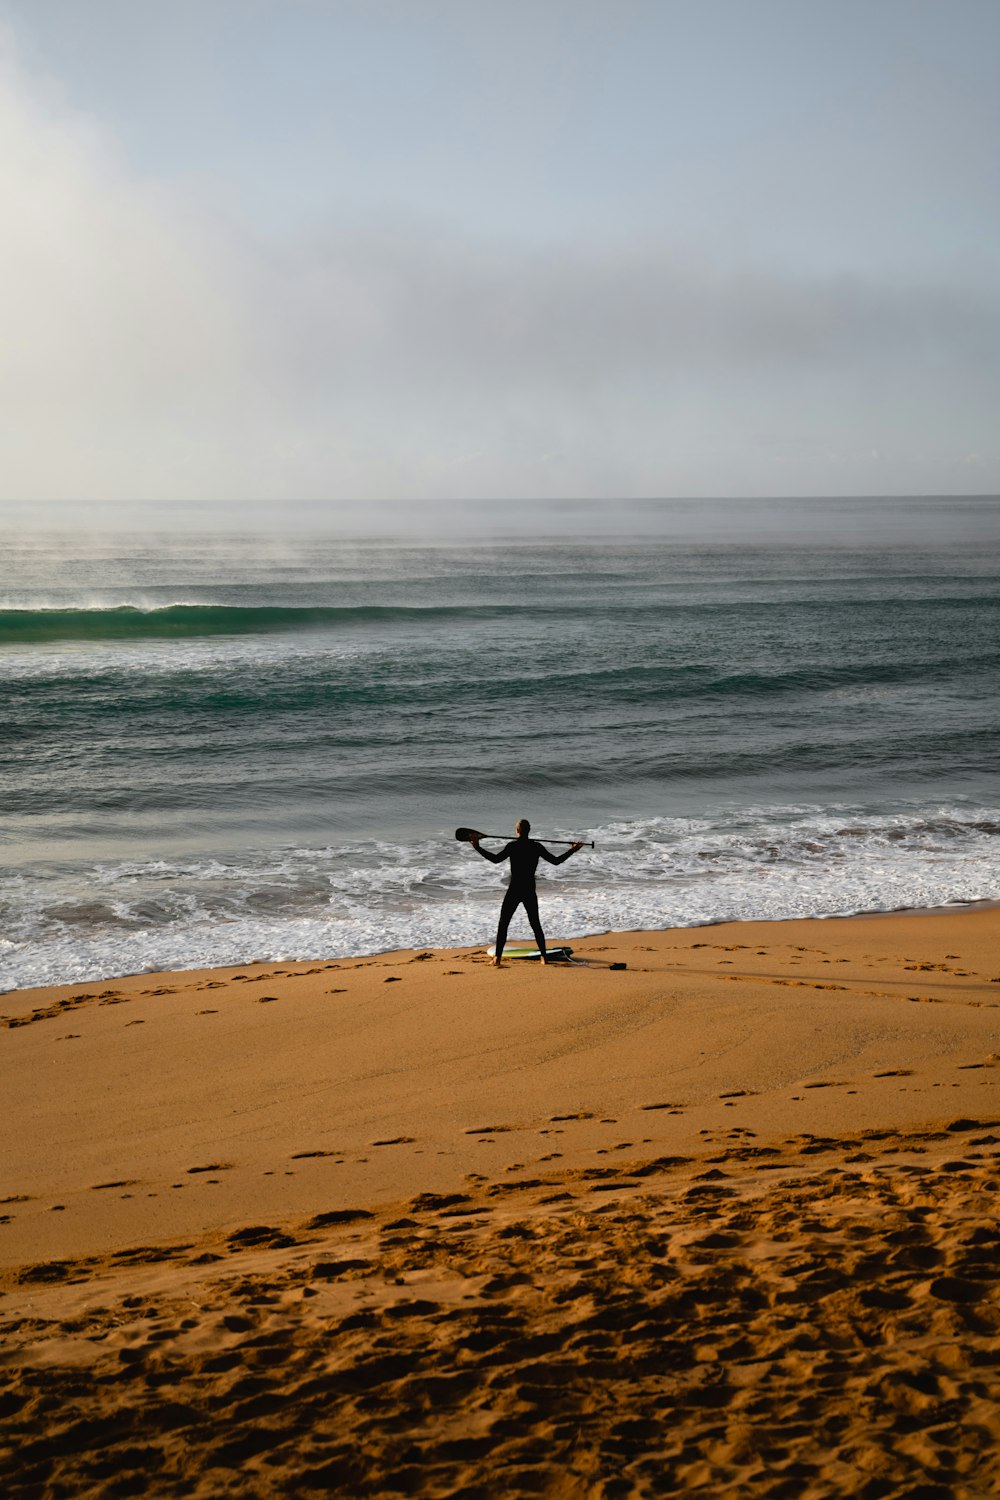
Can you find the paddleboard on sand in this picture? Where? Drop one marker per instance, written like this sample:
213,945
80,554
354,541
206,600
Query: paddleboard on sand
556,951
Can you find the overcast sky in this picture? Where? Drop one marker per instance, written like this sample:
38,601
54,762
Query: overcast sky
361,250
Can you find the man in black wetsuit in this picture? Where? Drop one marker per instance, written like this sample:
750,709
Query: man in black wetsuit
524,854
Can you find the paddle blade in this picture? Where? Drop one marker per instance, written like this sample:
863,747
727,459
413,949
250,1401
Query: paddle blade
468,833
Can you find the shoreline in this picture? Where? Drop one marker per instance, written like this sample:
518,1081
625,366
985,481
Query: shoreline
947,908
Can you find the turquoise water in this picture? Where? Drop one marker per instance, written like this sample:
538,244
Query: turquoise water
214,751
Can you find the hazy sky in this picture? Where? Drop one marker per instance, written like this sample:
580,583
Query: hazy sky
418,249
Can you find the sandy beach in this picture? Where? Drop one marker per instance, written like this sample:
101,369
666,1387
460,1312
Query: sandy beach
722,1222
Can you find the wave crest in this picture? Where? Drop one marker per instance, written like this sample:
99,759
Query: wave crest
187,621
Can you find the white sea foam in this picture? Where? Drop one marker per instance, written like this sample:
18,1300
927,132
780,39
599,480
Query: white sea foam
69,924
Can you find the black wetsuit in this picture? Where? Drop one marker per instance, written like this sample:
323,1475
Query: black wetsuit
524,855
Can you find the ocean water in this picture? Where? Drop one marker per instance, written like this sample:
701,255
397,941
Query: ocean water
216,750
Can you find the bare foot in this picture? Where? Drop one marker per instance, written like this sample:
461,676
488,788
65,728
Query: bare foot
498,963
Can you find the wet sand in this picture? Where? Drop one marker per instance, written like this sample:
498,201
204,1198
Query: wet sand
722,1222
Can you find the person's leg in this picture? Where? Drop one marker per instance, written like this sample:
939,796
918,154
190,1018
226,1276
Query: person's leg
531,912
511,901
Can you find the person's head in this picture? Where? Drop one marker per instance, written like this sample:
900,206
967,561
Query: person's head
523,828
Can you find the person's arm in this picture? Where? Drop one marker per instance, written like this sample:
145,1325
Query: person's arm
494,859
558,859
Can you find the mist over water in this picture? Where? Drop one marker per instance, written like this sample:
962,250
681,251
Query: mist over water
91,533
219,749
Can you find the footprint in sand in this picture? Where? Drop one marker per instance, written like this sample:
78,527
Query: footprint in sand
332,1270
215,1166
259,1236
431,1202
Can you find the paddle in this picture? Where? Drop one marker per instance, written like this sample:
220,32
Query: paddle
466,834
